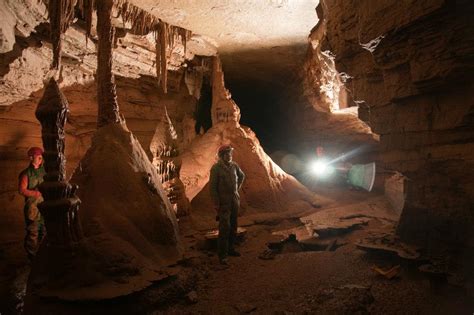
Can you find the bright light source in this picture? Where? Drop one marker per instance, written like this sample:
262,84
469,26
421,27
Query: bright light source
321,168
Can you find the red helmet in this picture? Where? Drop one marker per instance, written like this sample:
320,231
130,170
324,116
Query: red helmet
35,151
319,151
224,148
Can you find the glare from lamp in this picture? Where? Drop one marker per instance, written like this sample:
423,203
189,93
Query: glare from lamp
321,168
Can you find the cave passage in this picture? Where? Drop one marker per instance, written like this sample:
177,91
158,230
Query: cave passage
266,83
134,201
260,111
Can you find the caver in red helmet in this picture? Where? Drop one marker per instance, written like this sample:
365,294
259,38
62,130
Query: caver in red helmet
34,151
224,148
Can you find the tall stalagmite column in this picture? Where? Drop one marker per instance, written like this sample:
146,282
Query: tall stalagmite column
61,205
106,94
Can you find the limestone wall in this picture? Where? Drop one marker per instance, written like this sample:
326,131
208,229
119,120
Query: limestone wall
408,66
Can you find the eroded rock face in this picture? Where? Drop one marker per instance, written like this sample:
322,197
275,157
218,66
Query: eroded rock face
408,64
323,114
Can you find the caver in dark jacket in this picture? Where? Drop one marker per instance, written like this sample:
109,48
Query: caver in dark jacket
225,181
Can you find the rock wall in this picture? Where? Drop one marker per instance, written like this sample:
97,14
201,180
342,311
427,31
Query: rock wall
324,115
407,66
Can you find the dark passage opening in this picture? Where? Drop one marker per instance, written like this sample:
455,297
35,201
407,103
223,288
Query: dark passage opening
262,83
203,107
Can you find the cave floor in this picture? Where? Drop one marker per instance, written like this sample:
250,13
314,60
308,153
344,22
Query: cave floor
291,278
338,280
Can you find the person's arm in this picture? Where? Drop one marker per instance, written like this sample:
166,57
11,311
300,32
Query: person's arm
213,184
23,188
240,177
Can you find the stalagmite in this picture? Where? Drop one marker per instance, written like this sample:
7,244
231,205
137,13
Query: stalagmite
61,205
224,109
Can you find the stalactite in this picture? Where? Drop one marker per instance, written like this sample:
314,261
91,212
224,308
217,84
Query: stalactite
142,22
61,14
86,9
162,68
106,94
185,36
158,54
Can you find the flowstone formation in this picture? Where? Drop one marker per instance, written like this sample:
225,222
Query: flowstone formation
224,108
165,156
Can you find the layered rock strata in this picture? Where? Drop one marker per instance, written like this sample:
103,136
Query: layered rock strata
407,66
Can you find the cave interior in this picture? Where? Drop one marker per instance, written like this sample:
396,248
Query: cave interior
131,100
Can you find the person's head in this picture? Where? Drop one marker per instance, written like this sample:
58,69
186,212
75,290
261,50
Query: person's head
320,151
225,152
36,156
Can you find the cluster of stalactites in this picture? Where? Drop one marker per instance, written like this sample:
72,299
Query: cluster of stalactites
194,74
167,161
86,8
164,148
142,22
61,14
167,169
166,36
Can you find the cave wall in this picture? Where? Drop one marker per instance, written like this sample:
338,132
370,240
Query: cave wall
408,65
322,113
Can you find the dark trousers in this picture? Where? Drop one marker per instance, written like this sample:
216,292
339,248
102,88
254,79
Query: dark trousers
34,226
227,227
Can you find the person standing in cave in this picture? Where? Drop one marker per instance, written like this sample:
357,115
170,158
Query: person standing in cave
29,180
225,181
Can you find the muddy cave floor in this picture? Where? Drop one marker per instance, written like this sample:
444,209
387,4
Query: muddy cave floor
337,279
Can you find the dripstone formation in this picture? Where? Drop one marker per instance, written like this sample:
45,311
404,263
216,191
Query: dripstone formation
61,205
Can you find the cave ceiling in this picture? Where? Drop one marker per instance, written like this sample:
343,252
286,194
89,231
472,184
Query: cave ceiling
259,41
